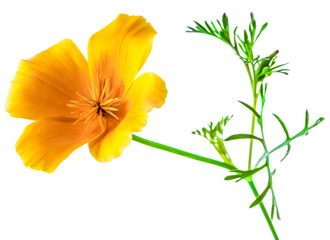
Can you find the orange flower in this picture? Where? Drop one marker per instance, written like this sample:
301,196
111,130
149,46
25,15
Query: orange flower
74,102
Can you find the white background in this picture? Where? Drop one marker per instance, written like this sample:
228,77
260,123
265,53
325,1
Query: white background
149,194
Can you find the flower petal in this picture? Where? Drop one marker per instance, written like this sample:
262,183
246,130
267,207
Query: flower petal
44,84
147,91
45,143
118,51
112,143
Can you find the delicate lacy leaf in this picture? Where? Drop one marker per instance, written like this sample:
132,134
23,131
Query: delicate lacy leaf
260,197
243,136
251,109
214,134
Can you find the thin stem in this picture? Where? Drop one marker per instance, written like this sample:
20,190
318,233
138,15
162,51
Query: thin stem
211,161
255,97
263,209
249,72
252,132
182,153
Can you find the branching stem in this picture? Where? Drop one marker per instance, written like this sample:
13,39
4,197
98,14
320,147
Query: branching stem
211,161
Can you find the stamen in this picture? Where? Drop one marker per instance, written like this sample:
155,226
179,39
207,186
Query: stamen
112,114
110,109
100,103
107,102
104,89
83,97
87,113
91,115
91,119
71,105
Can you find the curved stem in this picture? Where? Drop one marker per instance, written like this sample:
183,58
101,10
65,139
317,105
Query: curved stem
182,153
263,209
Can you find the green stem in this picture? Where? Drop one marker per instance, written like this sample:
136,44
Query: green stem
249,72
206,160
255,98
263,209
182,153
252,131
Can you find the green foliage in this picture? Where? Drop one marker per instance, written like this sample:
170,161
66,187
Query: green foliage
286,134
241,174
243,136
266,67
260,198
243,46
274,206
258,70
214,134
221,31
287,142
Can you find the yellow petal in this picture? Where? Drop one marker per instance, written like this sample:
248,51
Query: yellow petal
112,143
44,84
118,51
147,91
45,143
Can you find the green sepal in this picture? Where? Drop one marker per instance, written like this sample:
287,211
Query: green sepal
266,68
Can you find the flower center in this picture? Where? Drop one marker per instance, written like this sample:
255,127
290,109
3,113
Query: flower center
103,101
90,109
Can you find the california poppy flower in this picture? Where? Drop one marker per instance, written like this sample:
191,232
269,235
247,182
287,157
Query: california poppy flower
74,102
